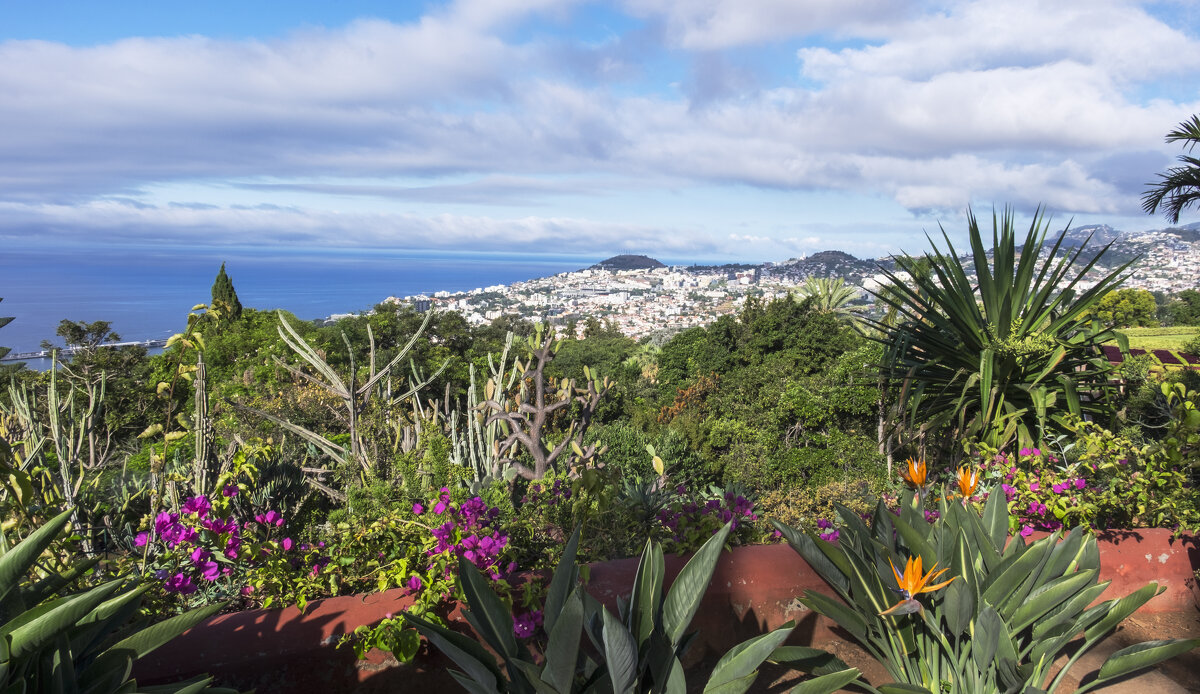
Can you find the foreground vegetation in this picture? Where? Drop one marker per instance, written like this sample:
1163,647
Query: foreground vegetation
272,461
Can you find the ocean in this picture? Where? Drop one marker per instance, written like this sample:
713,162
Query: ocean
146,292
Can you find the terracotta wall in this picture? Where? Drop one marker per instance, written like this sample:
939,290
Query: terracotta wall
753,589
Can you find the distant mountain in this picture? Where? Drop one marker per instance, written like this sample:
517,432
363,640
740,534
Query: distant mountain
1100,234
827,264
627,262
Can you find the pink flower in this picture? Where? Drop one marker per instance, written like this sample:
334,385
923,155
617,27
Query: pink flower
1034,486
1026,530
198,505
1059,488
418,509
270,518
141,539
1080,483
229,490
286,544
414,583
247,590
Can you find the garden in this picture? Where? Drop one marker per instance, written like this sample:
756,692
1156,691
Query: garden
952,494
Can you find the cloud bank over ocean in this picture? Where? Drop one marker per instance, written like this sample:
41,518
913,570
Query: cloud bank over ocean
749,128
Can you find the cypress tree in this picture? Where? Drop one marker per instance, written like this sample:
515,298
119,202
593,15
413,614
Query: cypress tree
225,298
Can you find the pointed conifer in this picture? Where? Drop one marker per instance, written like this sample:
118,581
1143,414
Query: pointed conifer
225,298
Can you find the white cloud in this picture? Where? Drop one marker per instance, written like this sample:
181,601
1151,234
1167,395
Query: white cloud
1022,101
715,24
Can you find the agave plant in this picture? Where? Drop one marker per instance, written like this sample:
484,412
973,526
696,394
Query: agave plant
52,640
994,357
994,618
639,650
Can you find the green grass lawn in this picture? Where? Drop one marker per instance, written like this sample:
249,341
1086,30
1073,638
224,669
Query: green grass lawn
1160,338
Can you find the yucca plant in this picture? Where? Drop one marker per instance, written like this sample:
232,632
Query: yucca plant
636,652
54,640
992,358
997,615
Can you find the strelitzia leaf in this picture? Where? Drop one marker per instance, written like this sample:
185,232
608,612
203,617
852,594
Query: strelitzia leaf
621,655
689,587
743,660
562,650
827,684
1143,655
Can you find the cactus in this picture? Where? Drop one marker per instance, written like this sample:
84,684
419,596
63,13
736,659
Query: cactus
356,398
526,417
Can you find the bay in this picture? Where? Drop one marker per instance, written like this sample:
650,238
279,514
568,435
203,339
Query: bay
147,291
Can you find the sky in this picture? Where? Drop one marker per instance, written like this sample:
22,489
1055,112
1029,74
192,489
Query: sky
723,129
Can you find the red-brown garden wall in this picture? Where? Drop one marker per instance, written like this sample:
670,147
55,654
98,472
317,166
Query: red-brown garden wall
753,589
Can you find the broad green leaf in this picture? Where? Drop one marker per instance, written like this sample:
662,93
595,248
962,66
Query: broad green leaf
562,651
647,592
1049,596
1121,609
620,654
848,619
827,684
16,561
566,575
150,638
480,666
36,633
691,584
488,614
811,660
1144,655
743,660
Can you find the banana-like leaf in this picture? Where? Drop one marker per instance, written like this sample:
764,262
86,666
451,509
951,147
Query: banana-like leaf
1143,655
848,619
154,636
647,592
620,654
689,587
827,684
743,660
16,561
810,660
480,666
32,635
488,614
1121,609
562,652
1050,595
566,575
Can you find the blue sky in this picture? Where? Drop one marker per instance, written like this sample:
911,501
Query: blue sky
740,129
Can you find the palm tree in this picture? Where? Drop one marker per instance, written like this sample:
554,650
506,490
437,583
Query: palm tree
1179,188
832,295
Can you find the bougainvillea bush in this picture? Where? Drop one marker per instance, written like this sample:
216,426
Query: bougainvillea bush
208,552
1102,481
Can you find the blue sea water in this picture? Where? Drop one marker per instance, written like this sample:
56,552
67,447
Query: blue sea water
146,292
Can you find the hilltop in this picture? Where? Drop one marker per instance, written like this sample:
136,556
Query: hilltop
628,262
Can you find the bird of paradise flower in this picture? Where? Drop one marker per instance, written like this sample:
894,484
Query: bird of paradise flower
912,583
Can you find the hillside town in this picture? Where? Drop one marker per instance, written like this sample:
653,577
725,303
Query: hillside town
641,297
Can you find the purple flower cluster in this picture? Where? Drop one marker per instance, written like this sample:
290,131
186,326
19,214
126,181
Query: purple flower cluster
828,532
181,530
554,494
698,518
470,531
526,623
